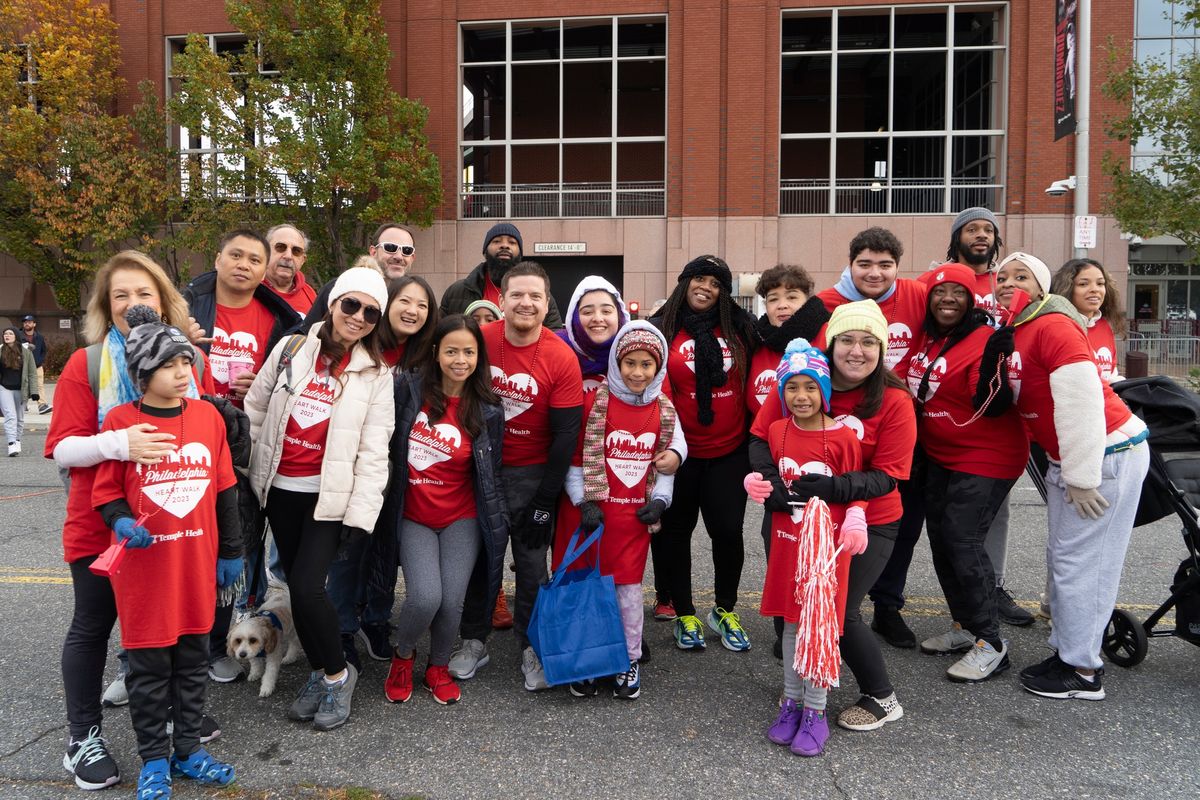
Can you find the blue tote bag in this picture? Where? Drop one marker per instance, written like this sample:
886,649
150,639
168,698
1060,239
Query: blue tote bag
575,628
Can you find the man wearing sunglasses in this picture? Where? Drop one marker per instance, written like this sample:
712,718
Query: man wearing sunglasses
393,250
502,250
289,251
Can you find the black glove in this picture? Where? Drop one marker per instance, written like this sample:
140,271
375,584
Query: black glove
651,512
349,538
533,526
995,354
591,516
812,485
237,429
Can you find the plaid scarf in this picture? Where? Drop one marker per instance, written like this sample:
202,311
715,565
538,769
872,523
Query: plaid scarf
595,476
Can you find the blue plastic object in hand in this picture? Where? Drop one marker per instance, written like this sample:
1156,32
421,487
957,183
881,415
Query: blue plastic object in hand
228,570
137,535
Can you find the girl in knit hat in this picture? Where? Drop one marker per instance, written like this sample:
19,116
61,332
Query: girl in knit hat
183,511
628,421
483,312
806,441
868,398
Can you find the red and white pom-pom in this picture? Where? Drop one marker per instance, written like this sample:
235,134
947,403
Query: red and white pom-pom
817,658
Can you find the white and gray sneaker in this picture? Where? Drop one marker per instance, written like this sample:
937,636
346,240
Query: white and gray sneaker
980,663
224,670
955,640
116,694
535,676
471,656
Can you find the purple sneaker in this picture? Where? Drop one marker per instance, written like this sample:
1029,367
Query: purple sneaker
814,732
784,729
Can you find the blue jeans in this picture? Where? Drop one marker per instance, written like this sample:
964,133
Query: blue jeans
347,587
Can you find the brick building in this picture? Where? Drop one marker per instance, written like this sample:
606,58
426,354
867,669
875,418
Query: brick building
625,136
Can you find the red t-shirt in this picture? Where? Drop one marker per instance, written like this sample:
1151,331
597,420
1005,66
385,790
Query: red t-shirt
239,334
300,297
440,485
1039,348
75,414
1104,347
395,355
728,428
491,292
994,447
308,426
797,452
169,589
531,380
888,439
905,314
762,379
593,382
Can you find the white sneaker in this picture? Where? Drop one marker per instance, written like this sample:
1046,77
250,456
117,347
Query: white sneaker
14,448
980,663
470,657
224,670
116,694
535,676
955,640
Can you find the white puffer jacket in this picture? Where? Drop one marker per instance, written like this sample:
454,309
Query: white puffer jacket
354,472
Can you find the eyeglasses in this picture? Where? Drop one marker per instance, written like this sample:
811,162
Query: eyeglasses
351,306
866,343
392,247
297,250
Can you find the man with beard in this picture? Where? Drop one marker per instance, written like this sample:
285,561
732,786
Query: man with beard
289,251
502,249
975,242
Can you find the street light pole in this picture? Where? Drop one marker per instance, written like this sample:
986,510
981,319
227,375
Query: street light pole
1083,108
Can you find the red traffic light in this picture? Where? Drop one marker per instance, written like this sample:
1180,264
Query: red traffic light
634,307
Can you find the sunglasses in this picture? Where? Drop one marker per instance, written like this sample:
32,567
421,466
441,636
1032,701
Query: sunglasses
350,307
297,250
392,247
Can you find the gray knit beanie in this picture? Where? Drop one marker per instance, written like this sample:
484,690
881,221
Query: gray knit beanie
970,215
151,343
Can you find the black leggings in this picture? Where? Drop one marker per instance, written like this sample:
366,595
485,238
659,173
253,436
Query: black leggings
159,675
306,549
860,648
711,487
86,647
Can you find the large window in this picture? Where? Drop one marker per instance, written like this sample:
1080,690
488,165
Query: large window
1162,35
892,110
563,117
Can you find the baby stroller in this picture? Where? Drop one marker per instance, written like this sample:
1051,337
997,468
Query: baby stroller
1172,413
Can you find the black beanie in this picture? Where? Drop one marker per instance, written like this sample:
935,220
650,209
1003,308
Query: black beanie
503,229
151,343
709,265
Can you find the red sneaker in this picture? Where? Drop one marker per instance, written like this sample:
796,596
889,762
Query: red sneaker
439,683
502,618
664,610
398,686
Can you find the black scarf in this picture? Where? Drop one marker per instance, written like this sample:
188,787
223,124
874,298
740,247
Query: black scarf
805,323
709,361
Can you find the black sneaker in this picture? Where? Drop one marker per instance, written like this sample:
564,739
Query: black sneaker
351,651
88,760
1064,683
375,638
209,729
644,658
628,685
587,688
891,626
1042,667
1010,612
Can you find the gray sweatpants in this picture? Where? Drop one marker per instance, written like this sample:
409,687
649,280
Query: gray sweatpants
1084,556
437,566
794,686
13,409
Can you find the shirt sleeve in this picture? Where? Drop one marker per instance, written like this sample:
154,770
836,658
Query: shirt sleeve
75,410
898,429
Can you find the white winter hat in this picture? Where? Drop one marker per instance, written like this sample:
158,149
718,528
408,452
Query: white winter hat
1041,272
360,279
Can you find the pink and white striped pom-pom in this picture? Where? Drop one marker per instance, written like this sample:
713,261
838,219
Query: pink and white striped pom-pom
817,658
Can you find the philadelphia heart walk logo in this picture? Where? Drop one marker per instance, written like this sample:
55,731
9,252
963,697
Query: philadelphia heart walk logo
431,444
687,349
517,391
177,483
629,456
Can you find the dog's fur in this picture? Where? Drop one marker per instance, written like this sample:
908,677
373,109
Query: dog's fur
255,642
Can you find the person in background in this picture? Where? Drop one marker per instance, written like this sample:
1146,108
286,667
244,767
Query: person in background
391,254
594,315
285,276
35,340
1098,461
483,312
18,382
503,249
1090,288
975,243
711,344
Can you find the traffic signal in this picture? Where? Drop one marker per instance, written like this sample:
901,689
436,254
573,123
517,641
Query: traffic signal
634,307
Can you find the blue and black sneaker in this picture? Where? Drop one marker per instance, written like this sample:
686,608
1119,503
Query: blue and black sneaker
729,626
689,634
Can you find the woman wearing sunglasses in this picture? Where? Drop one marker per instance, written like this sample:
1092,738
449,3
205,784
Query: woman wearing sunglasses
320,467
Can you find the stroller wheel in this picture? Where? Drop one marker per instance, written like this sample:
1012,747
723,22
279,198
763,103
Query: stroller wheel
1125,640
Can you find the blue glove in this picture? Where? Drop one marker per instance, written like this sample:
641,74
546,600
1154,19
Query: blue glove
228,570
126,529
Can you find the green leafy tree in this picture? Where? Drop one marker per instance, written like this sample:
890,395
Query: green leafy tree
305,126
1161,196
77,183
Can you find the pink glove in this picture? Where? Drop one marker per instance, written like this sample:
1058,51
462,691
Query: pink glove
757,487
854,531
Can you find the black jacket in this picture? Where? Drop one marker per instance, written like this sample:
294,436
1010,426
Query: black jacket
201,297
319,306
491,508
467,290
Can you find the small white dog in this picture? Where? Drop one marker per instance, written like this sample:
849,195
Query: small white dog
266,639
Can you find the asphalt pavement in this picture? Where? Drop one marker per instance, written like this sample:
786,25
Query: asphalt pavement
697,730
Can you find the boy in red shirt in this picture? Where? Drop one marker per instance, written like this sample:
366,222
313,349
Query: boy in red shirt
185,505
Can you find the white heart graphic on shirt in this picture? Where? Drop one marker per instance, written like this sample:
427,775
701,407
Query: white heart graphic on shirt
899,340
429,445
1014,374
314,403
516,391
629,456
764,383
687,349
177,483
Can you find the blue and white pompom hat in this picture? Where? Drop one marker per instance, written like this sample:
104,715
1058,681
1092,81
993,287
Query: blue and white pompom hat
801,358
